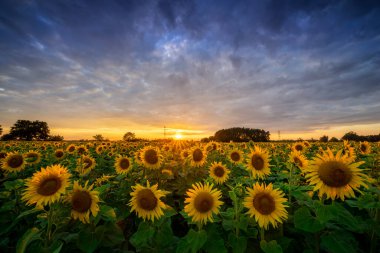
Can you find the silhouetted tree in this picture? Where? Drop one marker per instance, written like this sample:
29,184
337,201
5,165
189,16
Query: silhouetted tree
324,138
351,136
129,136
334,139
98,137
7,137
1,130
241,134
55,138
29,130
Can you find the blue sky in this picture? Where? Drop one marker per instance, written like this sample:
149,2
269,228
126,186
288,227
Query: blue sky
85,67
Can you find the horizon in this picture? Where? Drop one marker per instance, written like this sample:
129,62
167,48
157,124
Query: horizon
303,68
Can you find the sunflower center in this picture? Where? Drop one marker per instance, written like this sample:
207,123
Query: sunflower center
264,203
185,154
59,154
3,155
15,161
257,162
363,148
124,164
87,163
197,155
203,202
81,151
81,201
147,200
298,147
219,171
151,156
71,149
49,186
235,156
334,173
298,161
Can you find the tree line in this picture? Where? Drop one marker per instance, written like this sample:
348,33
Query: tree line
239,134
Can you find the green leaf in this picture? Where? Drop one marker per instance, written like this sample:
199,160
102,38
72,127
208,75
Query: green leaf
270,247
57,247
196,239
339,242
112,235
243,223
29,236
324,212
13,185
143,236
238,244
228,225
192,242
305,221
214,243
87,241
232,195
21,215
107,213
345,219
164,235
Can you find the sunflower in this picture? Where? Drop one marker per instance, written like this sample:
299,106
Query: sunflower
13,162
299,160
166,148
81,150
211,146
85,164
365,148
335,176
83,201
349,151
185,154
202,202
258,162
151,158
33,157
99,181
235,156
123,164
100,149
146,201
197,157
46,186
266,204
71,149
59,154
219,172
167,172
298,146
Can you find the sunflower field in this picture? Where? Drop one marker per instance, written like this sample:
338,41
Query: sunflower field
185,196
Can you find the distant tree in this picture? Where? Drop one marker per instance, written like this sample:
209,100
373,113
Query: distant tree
351,136
98,137
334,139
1,130
29,130
324,138
7,137
55,138
241,134
129,136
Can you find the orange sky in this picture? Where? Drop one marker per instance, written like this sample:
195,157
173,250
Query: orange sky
154,132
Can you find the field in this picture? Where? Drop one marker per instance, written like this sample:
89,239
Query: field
183,196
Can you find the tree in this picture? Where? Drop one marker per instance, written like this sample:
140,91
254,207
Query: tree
1,130
129,136
324,138
29,130
55,138
241,134
351,136
98,137
334,139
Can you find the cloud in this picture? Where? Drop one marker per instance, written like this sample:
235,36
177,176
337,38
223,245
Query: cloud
288,65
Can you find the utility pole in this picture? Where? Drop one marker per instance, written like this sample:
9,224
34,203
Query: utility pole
279,135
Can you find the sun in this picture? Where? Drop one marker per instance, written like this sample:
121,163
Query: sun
178,136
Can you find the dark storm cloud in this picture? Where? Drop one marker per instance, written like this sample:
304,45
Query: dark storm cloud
290,65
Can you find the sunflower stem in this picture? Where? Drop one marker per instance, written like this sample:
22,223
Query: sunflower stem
262,234
48,230
290,185
373,235
199,225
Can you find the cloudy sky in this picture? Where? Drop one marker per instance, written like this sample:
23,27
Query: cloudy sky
305,68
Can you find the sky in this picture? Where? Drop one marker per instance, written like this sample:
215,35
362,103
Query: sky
304,68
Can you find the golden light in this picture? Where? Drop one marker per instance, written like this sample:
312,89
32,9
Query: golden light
178,136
